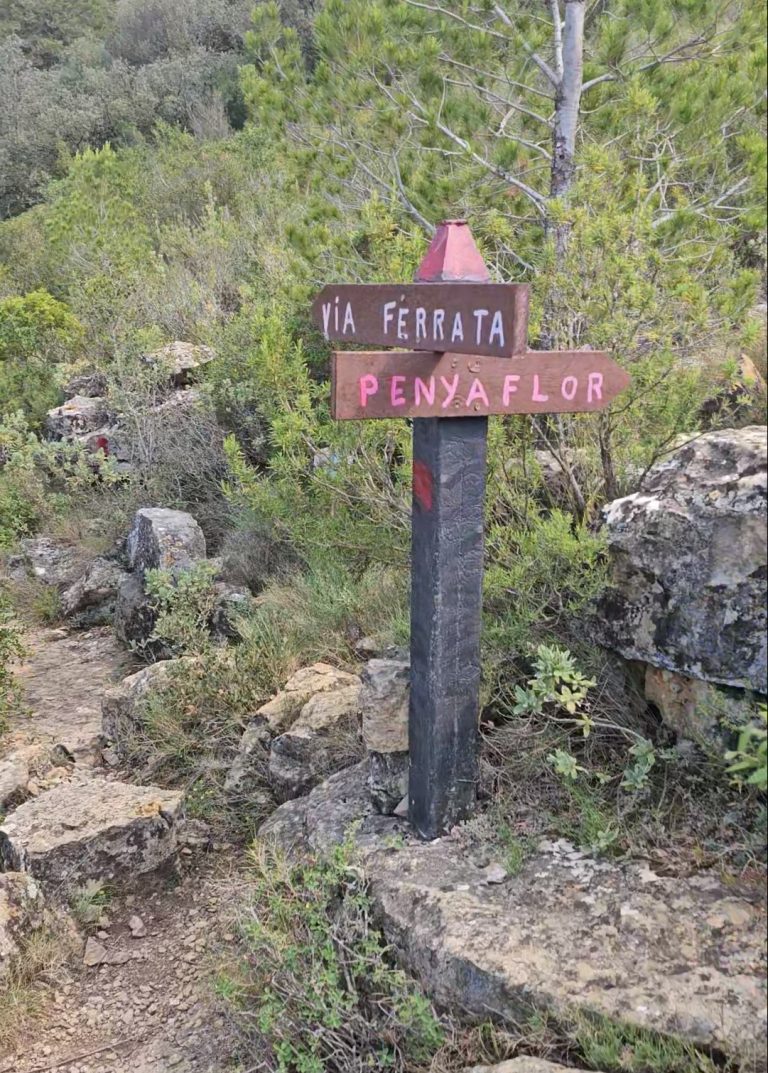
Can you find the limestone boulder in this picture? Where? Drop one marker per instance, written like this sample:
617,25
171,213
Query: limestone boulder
688,558
77,416
121,705
92,385
95,591
682,956
324,738
284,708
51,561
21,913
91,829
14,776
163,539
134,616
384,702
248,774
181,360
526,1063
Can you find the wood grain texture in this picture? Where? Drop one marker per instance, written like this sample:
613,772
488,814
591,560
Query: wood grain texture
476,318
385,384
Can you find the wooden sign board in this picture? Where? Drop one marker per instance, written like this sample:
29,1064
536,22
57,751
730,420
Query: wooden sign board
474,318
385,384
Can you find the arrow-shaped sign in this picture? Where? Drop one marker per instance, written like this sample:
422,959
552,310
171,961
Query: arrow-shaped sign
390,383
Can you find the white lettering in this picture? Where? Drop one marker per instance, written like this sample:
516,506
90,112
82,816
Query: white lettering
480,315
497,329
402,313
458,329
389,315
421,323
438,319
326,318
349,320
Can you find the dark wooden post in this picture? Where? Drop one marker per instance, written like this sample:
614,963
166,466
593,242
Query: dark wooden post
449,458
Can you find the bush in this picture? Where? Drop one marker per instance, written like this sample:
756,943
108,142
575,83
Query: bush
11,649
315,990
37,332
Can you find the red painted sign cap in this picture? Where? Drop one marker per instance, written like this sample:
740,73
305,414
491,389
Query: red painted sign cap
453,257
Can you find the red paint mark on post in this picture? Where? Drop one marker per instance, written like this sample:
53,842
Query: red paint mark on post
422,485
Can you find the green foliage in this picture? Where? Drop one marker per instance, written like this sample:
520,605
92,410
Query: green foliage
38,478
622,1048
11,649
184,601
36,333
749,760
315,991
89,902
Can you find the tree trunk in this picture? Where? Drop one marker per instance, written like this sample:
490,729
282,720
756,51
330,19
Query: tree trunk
567,105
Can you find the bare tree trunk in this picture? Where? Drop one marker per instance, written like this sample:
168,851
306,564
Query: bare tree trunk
567,104
569,51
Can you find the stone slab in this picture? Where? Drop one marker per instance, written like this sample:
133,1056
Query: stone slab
681,956
91,829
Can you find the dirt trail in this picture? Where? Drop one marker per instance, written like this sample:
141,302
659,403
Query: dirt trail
149,1006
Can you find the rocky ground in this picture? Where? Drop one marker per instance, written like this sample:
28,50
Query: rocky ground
138,994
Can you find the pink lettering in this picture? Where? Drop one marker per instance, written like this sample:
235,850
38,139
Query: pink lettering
510,387
477,393
538,395
369,385
569,387
396,396
595,386
451,389
425,390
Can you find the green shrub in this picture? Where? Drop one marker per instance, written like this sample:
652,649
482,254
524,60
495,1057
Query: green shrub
315,990
37,332
39,480
11,649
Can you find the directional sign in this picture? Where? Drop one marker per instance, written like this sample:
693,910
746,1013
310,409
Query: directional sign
474,318
390,383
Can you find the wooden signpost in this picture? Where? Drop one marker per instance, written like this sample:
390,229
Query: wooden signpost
467,357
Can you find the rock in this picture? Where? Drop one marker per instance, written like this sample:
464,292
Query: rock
14,776
324,738
91,830
231,603
248,773
95,953
384,702
163,539
320,820
76,416
21,912
696,709
284,708
138,927
113,442
524,1064
688,589
96,589
682,956
93,385
387,781
134,615
120,705
50,561
182,360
